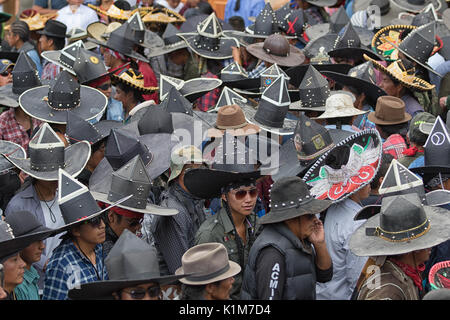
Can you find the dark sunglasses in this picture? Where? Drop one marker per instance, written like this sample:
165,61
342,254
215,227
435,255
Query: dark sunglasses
5,73
241,194
94,222
139,293
105,86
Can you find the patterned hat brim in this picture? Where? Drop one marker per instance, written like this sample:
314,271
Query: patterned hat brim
145,90
319,30
360,181
224,51
376,40
417,84
92,103
109,15
53,56
76,157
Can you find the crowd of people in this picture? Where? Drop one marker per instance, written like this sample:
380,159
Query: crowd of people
293,150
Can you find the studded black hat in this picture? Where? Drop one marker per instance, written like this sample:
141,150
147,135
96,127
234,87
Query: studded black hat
313,91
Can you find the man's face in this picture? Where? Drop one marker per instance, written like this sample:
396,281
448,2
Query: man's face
96,157
33,252
105,88
120,223
107,56
388,85
179,57
45,43
222,290
13,268
243,199
122,96
92,231
346,60
148,291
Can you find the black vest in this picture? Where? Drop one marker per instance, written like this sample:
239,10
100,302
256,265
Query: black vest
300,264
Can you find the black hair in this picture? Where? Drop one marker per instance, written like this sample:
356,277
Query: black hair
237,22
386,159
401,129
214,66
357,92
59,43
338,157
137,95
342,121
194,292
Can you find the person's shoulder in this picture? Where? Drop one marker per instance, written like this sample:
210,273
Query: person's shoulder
211,227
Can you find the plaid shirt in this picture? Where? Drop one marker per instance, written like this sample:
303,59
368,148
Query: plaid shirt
255,73
68,268
50,71
11,130
395,145
209,100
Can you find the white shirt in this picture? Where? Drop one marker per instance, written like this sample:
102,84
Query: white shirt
83,17
166,4
339,226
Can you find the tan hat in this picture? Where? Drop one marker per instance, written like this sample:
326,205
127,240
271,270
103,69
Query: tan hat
340,105
181,156
389,110
231,118
207,263
98,30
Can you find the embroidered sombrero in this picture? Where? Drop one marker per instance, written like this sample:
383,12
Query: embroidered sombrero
439,276
381,41
334,176
113,12
403,72
134,79
160,15
35,20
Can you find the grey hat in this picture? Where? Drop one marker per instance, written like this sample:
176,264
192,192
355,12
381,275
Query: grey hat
191,89
10,148
403,225
290,198
64,58
130,262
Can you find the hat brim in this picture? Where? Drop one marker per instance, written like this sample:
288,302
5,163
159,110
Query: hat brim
104,127
224,51
371,116
246,130
353,53
323,188
144,90
100,290
133,54
232,271
250,112
426,170
377,41
417,84
123,18
248,83
326,42
295,57
208,183
362,245
96,29
76,157
297,73
53,56
10,149
319,30
92,103
55,35
405,5
342,113
198,87
370,89
159,51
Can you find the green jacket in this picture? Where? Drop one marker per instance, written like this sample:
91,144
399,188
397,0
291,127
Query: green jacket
219,228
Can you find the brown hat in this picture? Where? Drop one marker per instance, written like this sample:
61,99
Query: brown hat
389,110
276,49
207,263
232,119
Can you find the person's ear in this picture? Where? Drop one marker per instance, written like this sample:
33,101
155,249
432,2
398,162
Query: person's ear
111,217
76,231
380,181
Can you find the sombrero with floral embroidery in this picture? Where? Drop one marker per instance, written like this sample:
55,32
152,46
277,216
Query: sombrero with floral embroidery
403,72
160,15
134,79
334,176
381,41
113,12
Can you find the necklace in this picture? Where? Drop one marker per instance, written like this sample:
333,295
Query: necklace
52,215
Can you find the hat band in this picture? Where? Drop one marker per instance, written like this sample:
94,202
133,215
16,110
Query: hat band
209,275
237,126
292,203
400,236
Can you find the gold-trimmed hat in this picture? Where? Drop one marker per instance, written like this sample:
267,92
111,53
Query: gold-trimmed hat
134,79
160,15
34,20
406,76
381,41
113,12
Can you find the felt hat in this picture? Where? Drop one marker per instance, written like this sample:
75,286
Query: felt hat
335,177
54,28
51,103
339,105
403,225
231,118
382,41
101,31
276,49
404,72
10,148
233,162
47,154
209,41
290,198
272,109
130,262
191,89
389,110
206,263
132,178
64,58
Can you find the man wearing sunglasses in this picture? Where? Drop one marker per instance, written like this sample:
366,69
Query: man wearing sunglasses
6,67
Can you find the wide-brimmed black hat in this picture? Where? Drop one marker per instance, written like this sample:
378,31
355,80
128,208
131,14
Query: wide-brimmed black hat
403,225
122,40
170,42
209,41
51,103
331,177
132,178
64,58
10,149
233,72
191,89
55,29
310,141
338,21
47,154
130,262
437,152
290,198
348,44
233,162
291,22
361,77
78,129
272,109
89,66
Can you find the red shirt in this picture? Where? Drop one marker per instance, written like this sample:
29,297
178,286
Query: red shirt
395,145
11,130
149,80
